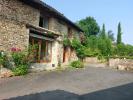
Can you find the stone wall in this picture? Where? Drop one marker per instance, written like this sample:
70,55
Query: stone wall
121,64
61,27
58,26
14,16
76,34
91,60
12,34
16,10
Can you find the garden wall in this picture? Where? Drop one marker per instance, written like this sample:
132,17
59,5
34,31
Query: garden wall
121,64
91,60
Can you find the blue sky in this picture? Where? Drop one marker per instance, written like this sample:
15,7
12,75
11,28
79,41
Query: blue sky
109,12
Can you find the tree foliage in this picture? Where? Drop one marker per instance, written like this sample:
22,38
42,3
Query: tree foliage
89,26
111,35
119,34
103,44
103,32
123,50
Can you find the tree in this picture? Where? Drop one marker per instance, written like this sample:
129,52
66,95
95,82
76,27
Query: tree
111,35
119,38
103,32
105,46
89,26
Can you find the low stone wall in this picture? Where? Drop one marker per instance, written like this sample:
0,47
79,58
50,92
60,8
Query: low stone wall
91,60
121,64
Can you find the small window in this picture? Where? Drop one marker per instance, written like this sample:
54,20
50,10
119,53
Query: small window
44,22
69,32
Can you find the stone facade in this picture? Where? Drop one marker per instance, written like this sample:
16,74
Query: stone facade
15,15
13,34
58,26
16,10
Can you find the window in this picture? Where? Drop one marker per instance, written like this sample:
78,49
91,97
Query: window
44,21
69,32
43,52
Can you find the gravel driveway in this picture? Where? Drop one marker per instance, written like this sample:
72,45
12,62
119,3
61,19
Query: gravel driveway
81,84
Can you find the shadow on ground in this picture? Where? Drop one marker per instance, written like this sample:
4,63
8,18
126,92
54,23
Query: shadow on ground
124,92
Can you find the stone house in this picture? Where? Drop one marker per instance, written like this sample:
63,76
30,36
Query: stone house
24,22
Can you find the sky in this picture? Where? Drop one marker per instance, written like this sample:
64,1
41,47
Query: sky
109,12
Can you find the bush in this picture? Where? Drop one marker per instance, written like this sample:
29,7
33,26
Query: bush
91,52
123,50
81,52
91,42
21,63
66,42
79,48
22,60
97,46
5,60
1,59
77,64
24,57
105,46
76,44
20,70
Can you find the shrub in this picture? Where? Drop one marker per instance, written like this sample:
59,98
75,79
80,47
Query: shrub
96,45
66,42
1,61
23,57
105,46
91,42
79,48
20,70
76,44
123,50
19,58
91,52
22,60
5,60
77,64
81,52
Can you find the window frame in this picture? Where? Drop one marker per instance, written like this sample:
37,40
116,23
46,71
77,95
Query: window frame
42,19
39,51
